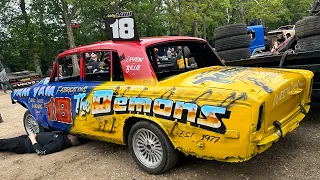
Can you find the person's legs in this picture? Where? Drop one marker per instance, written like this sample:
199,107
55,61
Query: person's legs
16,144
2,85
8,85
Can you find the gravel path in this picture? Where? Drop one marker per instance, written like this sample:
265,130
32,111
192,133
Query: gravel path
296,156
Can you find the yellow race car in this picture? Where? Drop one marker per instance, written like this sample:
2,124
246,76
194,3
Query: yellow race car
208,110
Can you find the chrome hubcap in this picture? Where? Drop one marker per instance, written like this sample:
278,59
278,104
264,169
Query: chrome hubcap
147,148
31,125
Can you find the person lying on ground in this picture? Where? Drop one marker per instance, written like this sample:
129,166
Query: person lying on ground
42,143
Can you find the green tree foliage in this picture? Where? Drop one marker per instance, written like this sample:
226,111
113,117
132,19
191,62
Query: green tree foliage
50,22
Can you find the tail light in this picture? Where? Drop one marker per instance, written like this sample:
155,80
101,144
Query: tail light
260,118
310,89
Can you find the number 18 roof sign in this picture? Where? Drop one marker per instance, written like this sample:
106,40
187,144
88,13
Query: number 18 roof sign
122,26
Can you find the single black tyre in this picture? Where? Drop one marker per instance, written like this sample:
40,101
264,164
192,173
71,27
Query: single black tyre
233,42
230,30
151,148
30,124
309,43
235,54
308,26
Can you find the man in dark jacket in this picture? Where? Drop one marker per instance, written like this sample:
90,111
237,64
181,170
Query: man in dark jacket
42,143
93,65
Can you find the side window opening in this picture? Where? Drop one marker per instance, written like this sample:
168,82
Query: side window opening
69,68
117,73
174,58
98,66
252,34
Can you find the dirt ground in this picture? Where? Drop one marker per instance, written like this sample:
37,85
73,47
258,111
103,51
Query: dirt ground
296,156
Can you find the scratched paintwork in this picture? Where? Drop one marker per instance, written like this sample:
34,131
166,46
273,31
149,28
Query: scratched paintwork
223,107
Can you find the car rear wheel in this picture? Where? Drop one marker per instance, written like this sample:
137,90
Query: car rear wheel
151,148
30,124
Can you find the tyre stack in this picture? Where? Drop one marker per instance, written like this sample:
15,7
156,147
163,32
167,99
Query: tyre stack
307,31
232,42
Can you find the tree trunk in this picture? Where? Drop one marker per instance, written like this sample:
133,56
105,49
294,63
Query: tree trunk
31,43
67,19
242,14
263,22
204,27
204,15
106,29
44,37
195,22
228,16
180,20
180,28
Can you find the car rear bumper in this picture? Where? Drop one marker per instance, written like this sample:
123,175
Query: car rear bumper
267,141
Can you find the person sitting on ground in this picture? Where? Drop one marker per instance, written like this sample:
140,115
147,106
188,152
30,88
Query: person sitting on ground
42,143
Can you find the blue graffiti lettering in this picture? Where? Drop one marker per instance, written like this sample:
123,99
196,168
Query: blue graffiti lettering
82,106
25,92
49,90
41,91
224,76
35,91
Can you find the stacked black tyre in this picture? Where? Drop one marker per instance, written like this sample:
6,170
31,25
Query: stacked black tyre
232,42
307,31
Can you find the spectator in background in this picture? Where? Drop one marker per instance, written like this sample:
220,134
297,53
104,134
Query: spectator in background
275,46
173,53
106,60
288,35
4,81
87,57
49,71
93,65
156,51
267,39
169,55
